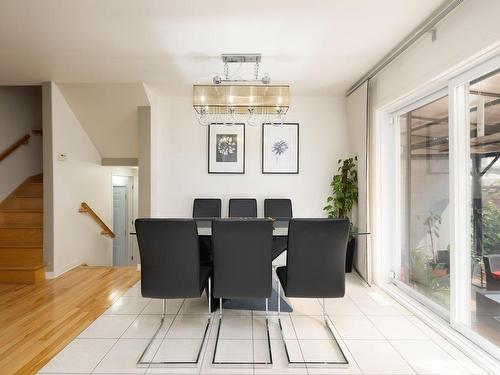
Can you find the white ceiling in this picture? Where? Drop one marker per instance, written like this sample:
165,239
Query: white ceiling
319,47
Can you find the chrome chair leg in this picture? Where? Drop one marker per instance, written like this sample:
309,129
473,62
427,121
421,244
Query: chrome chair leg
343,363
238,364
142,363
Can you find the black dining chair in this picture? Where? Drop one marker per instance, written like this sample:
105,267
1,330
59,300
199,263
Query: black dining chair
243,207
315,266
206,208
242,265
281,211
170,268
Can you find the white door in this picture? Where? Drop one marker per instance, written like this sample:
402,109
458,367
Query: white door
120,213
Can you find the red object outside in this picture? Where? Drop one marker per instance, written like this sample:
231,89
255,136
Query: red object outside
496,275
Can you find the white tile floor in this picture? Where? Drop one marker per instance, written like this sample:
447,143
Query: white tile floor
377,335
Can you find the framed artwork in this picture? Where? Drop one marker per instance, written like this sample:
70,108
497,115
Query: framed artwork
280,149
226,148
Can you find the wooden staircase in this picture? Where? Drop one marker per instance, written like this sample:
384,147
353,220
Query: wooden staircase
21,234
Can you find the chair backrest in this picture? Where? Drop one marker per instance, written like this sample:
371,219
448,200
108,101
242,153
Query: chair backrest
170,258
316,257
242,258
492,261
278,208
206,208
243,207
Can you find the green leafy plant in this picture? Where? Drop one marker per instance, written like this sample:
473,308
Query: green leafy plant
491,228
344,190
432,222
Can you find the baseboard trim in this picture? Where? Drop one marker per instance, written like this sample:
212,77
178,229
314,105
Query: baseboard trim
62,270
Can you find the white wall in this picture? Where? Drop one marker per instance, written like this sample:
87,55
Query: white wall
181,158
108,114
20,113
80,178
468,31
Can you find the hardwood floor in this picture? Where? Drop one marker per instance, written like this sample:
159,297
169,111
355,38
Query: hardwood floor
37,321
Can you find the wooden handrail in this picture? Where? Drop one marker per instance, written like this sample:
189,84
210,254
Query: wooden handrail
21,141
85,208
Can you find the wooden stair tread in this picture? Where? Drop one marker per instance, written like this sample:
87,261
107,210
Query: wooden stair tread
18,268
19,247
22,210
21,237
21,226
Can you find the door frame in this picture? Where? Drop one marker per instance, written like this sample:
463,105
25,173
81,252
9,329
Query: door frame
386,176
130,214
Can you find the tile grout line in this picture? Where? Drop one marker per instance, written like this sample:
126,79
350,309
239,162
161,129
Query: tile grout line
207,341
112,346
170,325
300,347
341,338
386,339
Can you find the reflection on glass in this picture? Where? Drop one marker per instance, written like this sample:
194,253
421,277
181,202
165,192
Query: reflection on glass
484,95
425,253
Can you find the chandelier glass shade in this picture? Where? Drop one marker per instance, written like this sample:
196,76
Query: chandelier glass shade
235,103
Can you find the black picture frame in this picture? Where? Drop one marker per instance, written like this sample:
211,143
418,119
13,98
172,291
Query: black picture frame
266,126
209,148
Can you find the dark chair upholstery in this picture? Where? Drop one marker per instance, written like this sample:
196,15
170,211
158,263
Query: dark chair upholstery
279,209
242,208
492,264
242,268
242,258
315,268
206,208
170,259
315,258
170,268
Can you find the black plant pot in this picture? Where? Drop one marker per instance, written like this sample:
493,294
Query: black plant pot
349,256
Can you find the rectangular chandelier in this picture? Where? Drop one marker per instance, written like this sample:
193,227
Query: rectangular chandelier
241,99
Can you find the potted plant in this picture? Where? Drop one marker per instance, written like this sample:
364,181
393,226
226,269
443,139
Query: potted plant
345,195
432,223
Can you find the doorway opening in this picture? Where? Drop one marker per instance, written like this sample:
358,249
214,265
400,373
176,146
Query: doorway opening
125,252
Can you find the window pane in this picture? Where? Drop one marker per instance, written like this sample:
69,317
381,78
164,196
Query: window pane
425,255
485,220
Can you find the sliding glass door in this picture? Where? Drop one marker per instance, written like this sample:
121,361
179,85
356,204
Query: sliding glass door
447,175
484,127
424,161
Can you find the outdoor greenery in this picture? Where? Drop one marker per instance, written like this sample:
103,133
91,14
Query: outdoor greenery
432,222
491,228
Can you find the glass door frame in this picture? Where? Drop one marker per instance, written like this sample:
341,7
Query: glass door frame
388,262
402,218
461,202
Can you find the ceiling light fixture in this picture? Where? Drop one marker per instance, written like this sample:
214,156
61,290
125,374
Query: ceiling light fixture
229,101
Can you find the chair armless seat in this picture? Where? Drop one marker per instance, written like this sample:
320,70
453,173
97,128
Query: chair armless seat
315,265
170,267
242,207
242,264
